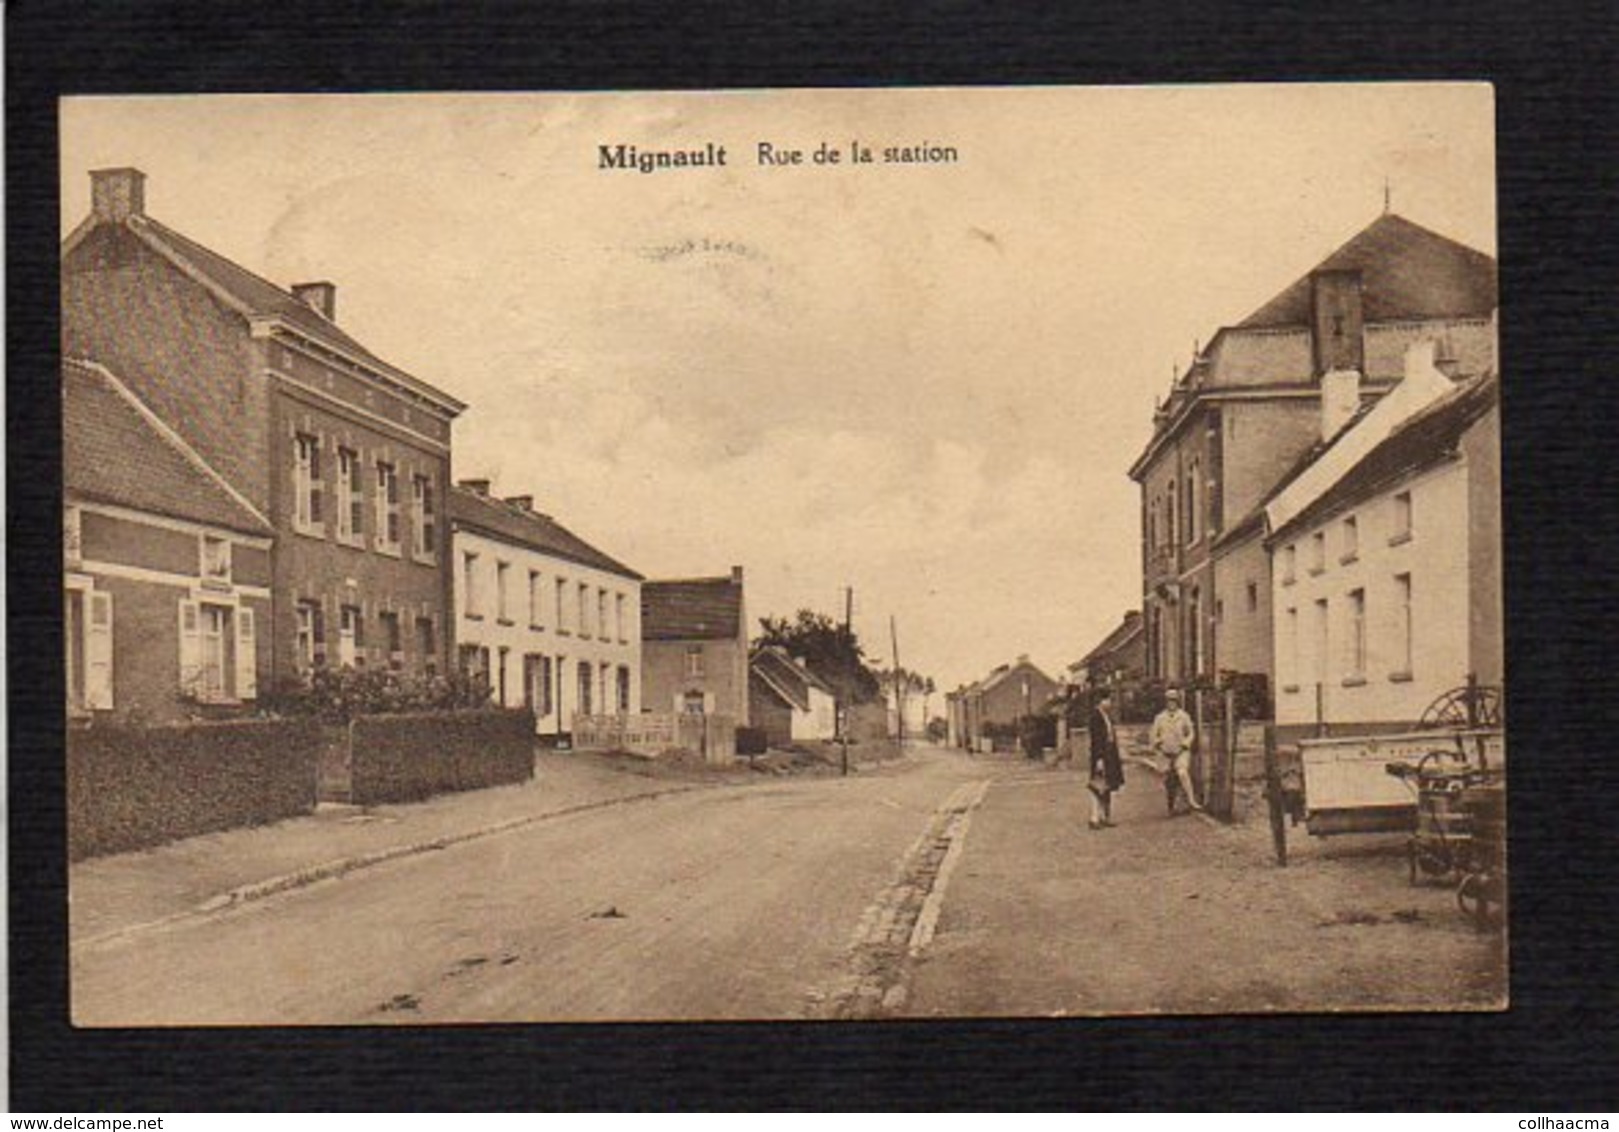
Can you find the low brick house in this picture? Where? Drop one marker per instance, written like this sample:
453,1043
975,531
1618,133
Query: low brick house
694,646
166,568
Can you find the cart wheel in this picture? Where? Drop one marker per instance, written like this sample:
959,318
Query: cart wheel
1475,896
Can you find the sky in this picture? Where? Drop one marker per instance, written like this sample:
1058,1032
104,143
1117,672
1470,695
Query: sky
926,382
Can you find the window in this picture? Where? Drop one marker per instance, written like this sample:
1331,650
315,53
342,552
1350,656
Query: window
306,485
500,674
350,497
350,637
618,617
502,604
536,600
1291,644
1194,632
71,540
623,689
218,653
421,489
537,684
1169,517
604,681
1194,502
1318,552
1290,558
601,614
427,644
472,601
1402,519
1253,597
584,687
584,610
1322,640
1351,539
215,561
694,661
388,621
562,620
311,643
1403,626
387,508
88,632
1357,636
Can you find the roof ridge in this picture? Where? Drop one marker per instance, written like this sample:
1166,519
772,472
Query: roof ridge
169,436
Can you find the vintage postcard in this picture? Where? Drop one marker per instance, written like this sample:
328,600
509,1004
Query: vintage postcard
782,554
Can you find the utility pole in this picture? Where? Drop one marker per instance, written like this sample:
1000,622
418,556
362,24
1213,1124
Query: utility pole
843,708
899,683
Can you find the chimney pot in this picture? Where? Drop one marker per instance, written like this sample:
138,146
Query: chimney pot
477,487
526,502
320,297
117,194
736,575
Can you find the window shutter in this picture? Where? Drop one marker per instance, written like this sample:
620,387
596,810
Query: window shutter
247,660
98,653
190,647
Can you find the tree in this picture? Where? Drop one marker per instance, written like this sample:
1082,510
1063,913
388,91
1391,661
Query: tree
828,649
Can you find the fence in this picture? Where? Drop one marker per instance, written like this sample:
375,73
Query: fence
135,787
654,734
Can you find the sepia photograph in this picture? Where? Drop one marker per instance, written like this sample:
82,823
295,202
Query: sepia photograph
782,555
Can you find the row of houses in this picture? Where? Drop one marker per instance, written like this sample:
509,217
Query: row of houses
1320,496
250,494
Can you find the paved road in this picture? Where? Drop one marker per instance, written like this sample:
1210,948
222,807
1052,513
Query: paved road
776,900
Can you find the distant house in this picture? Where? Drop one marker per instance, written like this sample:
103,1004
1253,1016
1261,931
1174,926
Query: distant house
1385,553
1119,656
1000,700
345,455
788,701
694,646
553,623
166,567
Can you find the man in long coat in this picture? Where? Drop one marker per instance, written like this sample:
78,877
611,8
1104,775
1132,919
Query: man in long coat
1107,770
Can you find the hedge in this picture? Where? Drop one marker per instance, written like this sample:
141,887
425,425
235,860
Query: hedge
135,787
405,758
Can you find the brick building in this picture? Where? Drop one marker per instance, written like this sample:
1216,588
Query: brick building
551,621
999,701
166,568
1119,656
347,456
1248,412
694,646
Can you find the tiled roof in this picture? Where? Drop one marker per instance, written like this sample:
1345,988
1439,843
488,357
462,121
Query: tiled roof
1407,272
789,680
691,609
1428,437
529,529
261,297
1004,673
1127,629
115,451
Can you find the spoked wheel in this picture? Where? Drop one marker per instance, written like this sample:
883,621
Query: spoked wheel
1482,899
1478,706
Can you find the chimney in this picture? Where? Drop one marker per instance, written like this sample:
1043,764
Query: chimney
477,487
1336,321
320,297
117,194
1340,400
736,575
526,502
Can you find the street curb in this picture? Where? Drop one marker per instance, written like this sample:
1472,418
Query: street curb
342,866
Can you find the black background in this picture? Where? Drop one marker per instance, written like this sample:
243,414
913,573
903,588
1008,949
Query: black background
1552,1052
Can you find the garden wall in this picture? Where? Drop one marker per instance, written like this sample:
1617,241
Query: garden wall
408,757
135,787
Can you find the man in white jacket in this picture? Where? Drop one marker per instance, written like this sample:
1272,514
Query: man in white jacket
1172,735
